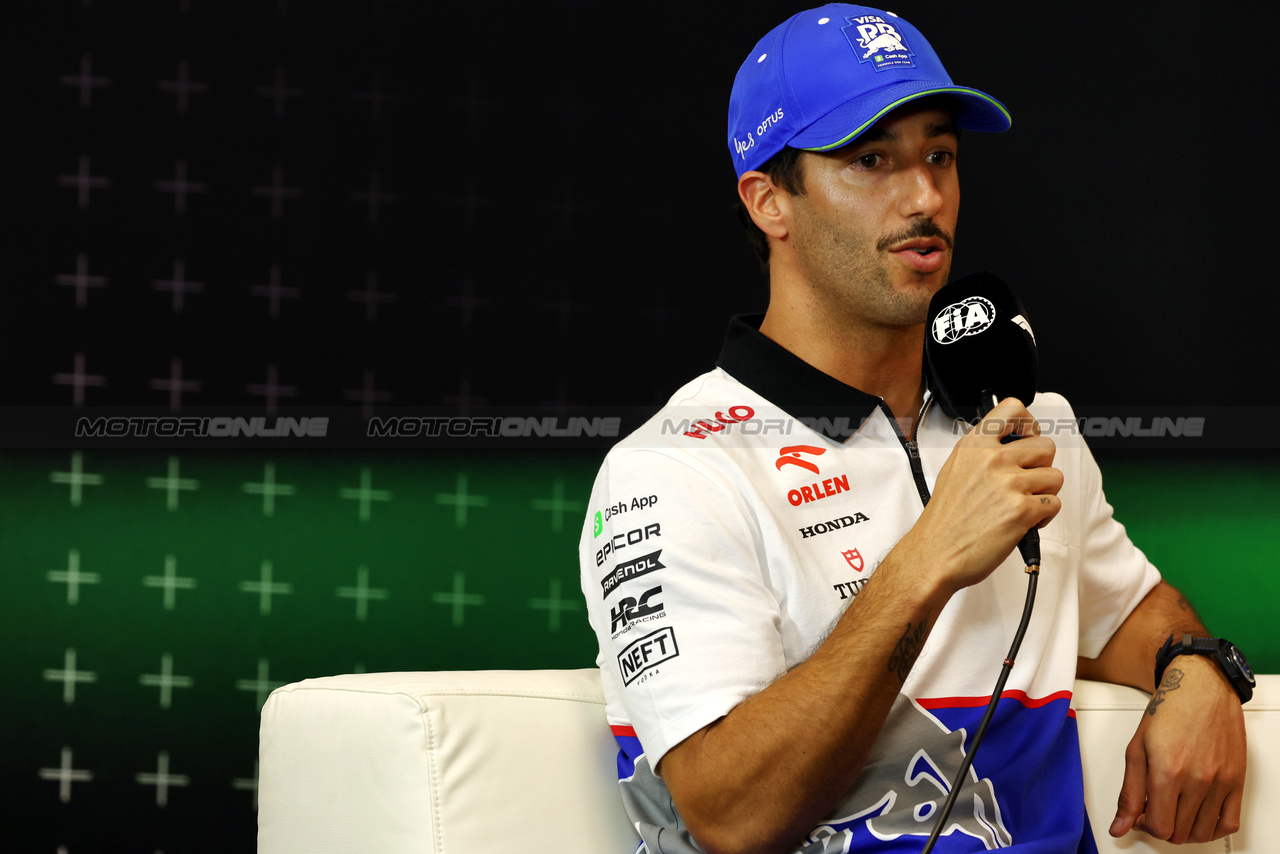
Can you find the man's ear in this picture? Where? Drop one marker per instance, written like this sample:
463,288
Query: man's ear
768,205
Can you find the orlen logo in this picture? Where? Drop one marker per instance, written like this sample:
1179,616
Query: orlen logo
790,456
818,491
967,317
736,414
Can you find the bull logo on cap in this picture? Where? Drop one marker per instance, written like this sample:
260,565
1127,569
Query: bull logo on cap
879,37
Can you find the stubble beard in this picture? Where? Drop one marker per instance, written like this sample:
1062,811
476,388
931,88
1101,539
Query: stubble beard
850,278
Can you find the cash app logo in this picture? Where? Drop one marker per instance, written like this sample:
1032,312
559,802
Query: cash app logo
599,525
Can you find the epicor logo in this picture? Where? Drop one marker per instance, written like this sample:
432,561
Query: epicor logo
967,317
790,456
630,538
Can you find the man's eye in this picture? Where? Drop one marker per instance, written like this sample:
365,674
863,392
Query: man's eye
942,158
869,161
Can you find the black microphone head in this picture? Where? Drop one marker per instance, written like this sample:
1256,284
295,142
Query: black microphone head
978,342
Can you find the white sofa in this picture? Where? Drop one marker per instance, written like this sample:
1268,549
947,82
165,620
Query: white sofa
499,761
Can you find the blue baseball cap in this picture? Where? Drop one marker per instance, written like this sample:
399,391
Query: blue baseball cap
824,76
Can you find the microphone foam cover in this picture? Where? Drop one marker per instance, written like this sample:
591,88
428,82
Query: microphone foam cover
978,341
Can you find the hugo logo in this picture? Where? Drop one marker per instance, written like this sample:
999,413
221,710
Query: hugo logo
736,414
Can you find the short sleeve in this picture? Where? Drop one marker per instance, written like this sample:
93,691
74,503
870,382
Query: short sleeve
672,573
1114,573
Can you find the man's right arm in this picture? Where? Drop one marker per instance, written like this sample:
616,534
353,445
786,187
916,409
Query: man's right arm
762,776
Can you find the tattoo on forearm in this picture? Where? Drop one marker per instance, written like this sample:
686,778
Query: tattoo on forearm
1183,603
905,653
1172,679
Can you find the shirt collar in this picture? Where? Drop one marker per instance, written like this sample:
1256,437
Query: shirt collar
789,382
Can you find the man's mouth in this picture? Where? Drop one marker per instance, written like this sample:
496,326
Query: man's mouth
924,254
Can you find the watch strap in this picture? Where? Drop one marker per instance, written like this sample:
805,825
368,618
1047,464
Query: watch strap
1222,651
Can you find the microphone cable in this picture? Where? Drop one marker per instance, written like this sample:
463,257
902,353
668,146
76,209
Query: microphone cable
1029,548
1033,573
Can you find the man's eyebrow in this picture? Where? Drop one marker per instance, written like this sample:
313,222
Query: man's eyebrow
947,128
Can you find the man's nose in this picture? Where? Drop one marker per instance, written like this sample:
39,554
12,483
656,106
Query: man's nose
919,194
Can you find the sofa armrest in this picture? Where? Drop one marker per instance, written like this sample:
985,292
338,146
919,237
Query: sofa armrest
1108,716
478,762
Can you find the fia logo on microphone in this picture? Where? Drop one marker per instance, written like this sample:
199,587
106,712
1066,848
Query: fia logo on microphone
967,317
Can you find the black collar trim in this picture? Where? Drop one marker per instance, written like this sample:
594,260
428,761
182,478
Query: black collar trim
787,381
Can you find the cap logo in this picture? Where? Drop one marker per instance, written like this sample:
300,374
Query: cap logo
877,41
769,121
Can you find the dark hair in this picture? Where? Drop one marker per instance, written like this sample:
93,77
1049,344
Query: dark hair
784,169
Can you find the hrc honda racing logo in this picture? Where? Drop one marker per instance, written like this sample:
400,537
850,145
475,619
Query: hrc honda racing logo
630,611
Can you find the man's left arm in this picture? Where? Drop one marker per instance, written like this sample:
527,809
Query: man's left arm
1184,768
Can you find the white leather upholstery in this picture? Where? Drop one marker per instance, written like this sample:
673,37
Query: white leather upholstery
499,761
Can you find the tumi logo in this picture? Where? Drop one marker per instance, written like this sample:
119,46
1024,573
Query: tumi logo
833,525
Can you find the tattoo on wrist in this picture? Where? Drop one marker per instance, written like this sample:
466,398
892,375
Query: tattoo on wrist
905,653
1172,679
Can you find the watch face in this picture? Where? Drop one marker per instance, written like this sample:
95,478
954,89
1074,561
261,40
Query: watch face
1241,663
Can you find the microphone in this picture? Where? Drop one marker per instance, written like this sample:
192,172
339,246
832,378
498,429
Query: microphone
979,348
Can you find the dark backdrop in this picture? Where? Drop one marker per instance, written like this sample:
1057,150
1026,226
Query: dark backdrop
560,229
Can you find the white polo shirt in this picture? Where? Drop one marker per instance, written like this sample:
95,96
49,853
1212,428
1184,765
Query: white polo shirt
728,534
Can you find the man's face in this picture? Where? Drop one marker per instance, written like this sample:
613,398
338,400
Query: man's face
873,233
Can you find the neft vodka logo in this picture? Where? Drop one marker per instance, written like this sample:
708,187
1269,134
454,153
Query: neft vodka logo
967,317
877,41
644,654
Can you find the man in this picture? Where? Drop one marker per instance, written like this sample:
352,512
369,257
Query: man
800,571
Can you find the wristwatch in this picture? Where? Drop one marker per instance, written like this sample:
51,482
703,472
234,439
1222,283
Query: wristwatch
1229,658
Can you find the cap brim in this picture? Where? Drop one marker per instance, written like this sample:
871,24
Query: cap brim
975,111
